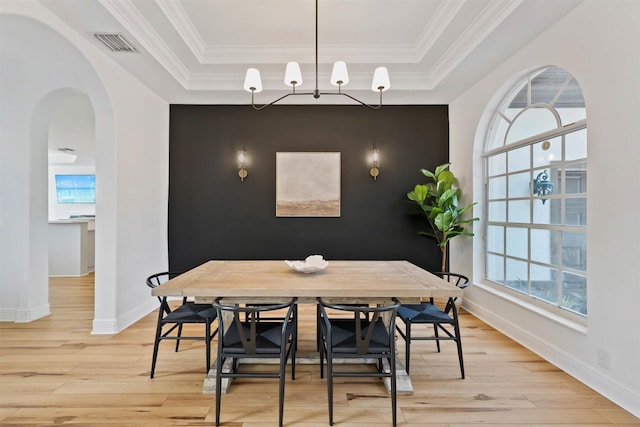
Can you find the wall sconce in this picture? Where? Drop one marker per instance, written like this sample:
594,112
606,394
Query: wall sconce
374,162
542,186
242,164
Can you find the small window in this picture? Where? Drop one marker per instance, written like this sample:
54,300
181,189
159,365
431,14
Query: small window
76,188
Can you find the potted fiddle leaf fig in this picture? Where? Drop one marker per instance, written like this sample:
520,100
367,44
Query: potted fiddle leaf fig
438,202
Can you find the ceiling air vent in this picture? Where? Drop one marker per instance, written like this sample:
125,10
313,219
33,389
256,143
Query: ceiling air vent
116,42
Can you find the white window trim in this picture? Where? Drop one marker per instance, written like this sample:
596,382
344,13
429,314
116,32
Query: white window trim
565,318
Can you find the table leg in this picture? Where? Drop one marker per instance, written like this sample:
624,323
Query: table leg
403,381
209,385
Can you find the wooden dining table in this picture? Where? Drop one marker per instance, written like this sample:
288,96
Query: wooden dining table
373,282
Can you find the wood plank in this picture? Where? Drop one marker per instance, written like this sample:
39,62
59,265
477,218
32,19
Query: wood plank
493,416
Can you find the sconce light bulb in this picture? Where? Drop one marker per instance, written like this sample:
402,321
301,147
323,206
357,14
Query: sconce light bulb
242,157
375,156
374,172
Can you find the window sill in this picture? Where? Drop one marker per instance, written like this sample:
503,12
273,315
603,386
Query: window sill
578,326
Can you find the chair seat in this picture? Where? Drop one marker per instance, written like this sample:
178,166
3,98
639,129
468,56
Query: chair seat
423,313
191,313
343,336
268,337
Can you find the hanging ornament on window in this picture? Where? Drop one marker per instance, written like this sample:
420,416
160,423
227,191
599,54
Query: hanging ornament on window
542,186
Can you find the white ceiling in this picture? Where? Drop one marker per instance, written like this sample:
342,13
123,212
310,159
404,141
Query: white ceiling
197,51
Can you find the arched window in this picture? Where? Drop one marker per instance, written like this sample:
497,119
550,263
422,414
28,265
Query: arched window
536,191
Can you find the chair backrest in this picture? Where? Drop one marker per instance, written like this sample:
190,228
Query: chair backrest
247,320
158,279
366,321
457,279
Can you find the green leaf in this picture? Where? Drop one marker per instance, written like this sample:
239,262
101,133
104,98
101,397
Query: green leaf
441,168
427,173
436,211
419,194
431,189
448,198
448,178
443,221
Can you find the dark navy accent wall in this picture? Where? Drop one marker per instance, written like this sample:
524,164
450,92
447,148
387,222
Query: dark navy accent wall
213,215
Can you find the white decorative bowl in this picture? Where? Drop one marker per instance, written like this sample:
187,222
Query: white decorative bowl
312,264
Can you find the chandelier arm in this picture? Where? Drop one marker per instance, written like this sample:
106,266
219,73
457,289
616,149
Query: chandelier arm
261,107
373,107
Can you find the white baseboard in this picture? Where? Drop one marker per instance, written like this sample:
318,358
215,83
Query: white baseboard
114,326
104,327
7,315
586,374
137,313
25,316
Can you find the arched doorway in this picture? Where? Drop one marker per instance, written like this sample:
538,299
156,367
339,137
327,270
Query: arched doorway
37,74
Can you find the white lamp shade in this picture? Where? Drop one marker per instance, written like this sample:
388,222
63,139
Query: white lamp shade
293,74
252,80
380,79
339,73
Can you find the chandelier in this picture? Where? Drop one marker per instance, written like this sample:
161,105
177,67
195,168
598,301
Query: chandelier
339,78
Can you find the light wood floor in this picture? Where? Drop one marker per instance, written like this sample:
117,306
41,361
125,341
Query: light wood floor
54,372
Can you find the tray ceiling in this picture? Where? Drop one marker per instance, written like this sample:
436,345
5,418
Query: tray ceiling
197,51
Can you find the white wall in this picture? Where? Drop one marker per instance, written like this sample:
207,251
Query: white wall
598,43
131,133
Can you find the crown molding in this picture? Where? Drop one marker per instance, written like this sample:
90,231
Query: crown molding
436,26
488,20
181,22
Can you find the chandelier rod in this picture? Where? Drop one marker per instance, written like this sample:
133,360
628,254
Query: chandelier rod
316,93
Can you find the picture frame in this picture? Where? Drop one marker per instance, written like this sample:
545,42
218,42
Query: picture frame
308,184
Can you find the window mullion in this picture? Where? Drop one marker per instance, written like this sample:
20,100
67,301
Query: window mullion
570,128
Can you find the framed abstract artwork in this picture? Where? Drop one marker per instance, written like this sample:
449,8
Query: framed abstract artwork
308,184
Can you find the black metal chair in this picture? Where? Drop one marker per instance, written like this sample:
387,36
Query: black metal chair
363,336
171,319
443,320
319,320
247,334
